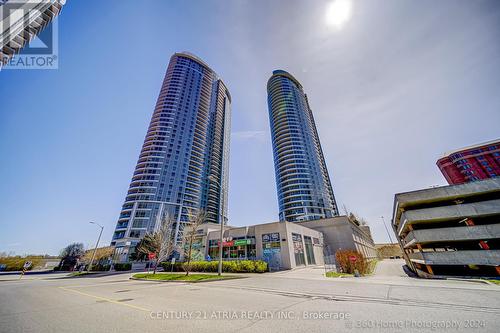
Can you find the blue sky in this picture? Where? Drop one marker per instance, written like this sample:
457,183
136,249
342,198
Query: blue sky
398,85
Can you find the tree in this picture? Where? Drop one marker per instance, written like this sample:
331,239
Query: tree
190,234
136,255
160,242
70,256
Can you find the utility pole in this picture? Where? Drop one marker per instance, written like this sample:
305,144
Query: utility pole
388,234
211,178
96,245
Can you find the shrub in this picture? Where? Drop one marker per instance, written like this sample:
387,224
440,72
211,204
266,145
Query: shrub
232,266
260,266
167,267
348,266
123,266
247,266
100,268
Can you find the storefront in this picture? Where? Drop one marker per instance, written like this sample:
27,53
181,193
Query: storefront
233,249
283,245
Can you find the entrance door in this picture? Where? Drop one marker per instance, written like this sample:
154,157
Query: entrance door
309,250
298,250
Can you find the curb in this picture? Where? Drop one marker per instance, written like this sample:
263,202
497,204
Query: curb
177,281
472,280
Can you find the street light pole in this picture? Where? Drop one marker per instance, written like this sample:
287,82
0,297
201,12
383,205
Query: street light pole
96,245
387,230
211,178
177,224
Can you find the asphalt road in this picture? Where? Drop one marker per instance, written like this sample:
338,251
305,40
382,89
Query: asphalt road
295,301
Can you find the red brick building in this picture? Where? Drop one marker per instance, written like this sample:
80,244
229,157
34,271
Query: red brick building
472,163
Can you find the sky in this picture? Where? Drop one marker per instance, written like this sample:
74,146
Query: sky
392,89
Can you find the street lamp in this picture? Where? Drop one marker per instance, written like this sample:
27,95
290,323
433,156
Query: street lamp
96,245
212,179
388,234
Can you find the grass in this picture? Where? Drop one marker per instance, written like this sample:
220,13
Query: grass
79,273
494,281
182,277
336,274
371,266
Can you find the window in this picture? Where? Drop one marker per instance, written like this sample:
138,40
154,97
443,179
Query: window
298,249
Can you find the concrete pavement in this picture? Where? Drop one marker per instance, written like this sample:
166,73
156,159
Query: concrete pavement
268,303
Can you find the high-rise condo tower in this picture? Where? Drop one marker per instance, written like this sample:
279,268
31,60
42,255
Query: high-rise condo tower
183,164
302,180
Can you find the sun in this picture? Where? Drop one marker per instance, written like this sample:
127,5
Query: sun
338,13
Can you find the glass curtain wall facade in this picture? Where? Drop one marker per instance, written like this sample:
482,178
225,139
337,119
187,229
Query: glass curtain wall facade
302,180
183,164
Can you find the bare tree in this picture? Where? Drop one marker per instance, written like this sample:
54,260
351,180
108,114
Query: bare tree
160,242
190,234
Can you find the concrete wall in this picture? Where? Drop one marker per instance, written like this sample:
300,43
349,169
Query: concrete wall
341,234
443,213
476,232
473,257
450,229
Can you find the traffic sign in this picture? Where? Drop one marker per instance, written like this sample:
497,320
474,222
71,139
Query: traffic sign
353,258
26,265
151,256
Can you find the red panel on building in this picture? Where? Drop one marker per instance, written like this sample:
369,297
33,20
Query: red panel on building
473,163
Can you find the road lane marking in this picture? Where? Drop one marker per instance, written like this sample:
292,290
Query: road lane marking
106,299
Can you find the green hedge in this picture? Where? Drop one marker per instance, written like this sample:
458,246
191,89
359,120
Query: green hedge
123,267
101,268
236,266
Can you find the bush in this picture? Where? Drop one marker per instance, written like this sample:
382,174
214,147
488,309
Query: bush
123,267
101,268
167,266
348,266
232,266
260,266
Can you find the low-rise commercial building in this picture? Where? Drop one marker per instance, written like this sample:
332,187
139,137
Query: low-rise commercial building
285,245
340,233
450,230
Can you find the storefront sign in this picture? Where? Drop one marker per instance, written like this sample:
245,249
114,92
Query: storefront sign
241,242
274,237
